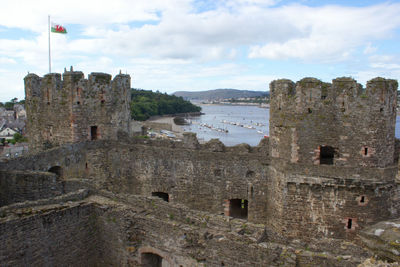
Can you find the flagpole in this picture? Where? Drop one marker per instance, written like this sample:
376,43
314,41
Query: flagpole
49,45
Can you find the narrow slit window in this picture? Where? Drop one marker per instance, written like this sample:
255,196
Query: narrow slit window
362,199
349,223
366,151
93,133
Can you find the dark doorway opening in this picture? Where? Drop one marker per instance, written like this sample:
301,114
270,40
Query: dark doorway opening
93,132
326,155
151,260
57,170
162,195
238,208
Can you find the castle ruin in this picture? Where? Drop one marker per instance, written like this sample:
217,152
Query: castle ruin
308,195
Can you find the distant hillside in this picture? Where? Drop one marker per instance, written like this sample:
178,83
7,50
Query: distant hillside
219,94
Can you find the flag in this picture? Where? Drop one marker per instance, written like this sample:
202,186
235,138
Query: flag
58,28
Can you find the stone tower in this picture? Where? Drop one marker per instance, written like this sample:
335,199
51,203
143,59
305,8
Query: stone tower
332,155
340,123
74,109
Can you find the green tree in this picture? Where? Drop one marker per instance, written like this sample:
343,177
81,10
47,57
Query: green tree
18,138
145,104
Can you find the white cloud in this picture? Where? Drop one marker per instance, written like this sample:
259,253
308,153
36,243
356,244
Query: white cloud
186,44
379,65
11,84
33,14
6,60
384,62
331,33
369,49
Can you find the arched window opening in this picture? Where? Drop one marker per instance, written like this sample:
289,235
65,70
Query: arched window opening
57,170
151,260
238,208
162,195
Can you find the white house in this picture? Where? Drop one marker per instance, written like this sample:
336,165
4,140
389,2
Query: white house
7,133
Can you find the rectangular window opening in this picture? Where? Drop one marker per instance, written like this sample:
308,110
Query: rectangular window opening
366,151
93,132
238,208
326,155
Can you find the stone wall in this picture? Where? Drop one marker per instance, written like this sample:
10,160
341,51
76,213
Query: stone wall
118,229
294,200
133,225
203,178
19,186
316,207
50,236
75,109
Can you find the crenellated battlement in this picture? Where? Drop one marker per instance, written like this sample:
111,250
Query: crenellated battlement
69,108
312,92
73,84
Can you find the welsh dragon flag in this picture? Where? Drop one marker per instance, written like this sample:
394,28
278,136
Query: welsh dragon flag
57,28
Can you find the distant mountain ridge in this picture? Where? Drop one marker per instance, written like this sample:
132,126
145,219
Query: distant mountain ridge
217,94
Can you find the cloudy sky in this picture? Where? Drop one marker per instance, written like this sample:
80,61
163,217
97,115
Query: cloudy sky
171,45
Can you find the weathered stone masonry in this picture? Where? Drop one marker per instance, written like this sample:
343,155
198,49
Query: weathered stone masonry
332,155
75,109
327,171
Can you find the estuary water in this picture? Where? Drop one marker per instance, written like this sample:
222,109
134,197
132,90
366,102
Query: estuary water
234,125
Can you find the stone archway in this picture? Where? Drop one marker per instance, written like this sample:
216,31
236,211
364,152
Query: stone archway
152,257
57,170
